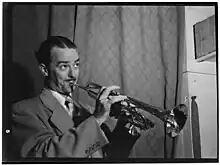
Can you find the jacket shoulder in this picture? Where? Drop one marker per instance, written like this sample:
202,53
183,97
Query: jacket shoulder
27,105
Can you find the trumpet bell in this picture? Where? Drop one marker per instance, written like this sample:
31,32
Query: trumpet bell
175,120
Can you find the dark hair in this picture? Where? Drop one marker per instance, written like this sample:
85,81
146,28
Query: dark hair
43,54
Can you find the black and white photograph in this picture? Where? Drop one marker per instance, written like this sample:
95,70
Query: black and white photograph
109,82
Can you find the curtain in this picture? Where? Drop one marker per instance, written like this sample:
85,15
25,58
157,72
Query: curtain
135,47
29,25
25,27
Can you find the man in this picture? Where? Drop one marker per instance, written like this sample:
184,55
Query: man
50,125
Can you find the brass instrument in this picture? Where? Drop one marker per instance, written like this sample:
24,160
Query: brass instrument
174,119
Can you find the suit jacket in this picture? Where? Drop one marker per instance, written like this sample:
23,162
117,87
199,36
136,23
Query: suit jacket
42,128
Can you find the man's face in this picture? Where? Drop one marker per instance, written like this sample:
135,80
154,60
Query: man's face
63,70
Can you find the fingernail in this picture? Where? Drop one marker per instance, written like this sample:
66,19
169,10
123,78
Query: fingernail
124,103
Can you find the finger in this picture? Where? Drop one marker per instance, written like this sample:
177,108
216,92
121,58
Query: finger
101,92
114,99
118,96
107,91
104,101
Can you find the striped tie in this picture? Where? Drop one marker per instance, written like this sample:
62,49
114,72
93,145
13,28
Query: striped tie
69,106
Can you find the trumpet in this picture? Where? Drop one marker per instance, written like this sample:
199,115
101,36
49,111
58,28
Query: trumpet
127,110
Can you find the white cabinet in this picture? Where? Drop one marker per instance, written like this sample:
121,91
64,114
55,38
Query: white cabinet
199,79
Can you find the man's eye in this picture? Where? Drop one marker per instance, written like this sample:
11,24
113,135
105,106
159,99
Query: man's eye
76,65
63,67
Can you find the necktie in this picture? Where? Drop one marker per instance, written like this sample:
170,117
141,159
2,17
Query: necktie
69,106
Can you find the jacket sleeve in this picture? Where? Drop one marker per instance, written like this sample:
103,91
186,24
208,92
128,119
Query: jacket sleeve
34,139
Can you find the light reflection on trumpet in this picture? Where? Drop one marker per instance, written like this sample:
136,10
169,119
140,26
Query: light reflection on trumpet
174,119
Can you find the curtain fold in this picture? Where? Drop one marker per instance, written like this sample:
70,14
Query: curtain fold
139,48
133,47
62,20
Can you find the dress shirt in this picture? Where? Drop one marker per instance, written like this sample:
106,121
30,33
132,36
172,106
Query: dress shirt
61,100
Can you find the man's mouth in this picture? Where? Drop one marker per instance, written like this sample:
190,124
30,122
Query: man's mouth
71,82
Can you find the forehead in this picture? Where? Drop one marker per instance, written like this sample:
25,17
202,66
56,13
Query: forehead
64,54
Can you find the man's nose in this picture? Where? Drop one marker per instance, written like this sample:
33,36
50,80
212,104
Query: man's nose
72,72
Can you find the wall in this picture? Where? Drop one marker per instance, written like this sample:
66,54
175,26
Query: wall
22,78
28,80
200,80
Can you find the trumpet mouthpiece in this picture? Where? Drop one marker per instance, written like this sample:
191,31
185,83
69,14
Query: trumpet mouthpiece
76,85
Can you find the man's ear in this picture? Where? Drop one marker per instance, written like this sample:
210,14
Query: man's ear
43,69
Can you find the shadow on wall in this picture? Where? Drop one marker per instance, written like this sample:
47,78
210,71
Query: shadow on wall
21,83
213,60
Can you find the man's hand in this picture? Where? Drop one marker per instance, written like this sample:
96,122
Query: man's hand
104,102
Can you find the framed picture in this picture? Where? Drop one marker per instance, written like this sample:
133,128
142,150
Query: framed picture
204,38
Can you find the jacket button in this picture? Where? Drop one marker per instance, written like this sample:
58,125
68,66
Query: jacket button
97,143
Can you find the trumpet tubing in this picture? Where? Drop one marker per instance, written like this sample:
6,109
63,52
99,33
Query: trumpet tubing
174,119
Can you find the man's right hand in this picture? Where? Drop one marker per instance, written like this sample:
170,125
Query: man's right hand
104,102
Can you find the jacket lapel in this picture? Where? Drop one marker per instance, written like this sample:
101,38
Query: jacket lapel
59,116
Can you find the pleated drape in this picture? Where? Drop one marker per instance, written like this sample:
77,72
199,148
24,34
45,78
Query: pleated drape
135,47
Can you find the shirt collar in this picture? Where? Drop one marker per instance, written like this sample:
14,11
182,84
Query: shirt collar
61,98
